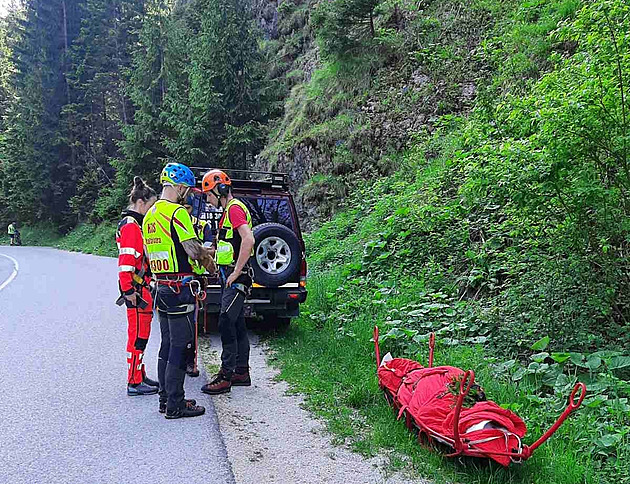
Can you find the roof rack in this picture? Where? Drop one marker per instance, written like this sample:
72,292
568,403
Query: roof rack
280,180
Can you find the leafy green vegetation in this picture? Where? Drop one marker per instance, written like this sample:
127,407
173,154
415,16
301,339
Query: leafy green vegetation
342,25
474,155
504,230
329,357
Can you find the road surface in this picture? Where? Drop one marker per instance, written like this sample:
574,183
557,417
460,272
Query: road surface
65,417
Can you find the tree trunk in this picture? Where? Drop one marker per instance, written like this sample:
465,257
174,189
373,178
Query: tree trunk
66,53
119,86
66,68
162,76
106,137
372,32
124,106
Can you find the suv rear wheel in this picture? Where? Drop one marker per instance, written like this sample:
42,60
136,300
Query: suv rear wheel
277,254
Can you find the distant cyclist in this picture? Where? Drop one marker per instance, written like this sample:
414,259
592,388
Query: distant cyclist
14,234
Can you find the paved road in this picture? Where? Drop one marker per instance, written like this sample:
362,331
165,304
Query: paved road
64,414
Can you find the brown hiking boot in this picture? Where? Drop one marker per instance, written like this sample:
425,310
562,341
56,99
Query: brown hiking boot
240,378
188,403
185,411
220,384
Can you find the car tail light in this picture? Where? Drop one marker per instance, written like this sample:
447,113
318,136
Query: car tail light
294,296
303,272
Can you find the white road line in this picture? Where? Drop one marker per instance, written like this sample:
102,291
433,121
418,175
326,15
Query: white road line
16,268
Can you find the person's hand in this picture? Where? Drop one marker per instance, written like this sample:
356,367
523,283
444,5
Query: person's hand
210,265
206,252
207,260
132,299
232,278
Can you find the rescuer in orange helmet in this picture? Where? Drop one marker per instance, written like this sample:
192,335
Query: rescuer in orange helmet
234,247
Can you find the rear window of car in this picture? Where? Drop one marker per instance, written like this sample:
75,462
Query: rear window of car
262,209
265,210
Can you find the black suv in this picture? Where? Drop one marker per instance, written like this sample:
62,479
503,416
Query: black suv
279,260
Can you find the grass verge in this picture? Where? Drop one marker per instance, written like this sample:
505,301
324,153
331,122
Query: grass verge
334,366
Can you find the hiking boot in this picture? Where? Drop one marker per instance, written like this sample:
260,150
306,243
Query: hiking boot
185,411
189,403
140,389
220,384
191,372
147,381
240,378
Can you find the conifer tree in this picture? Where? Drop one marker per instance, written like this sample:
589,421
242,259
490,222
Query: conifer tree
102,59
227,66
6,95
40,168
96,91
143,152
343,26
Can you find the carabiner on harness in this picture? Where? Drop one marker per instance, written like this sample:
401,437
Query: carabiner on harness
195,287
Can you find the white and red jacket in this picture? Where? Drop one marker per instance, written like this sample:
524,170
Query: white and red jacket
131,257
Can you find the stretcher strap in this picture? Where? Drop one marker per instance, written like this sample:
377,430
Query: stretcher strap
401,411
482,441
196,323
515,457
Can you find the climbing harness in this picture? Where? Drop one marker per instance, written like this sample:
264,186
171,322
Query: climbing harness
175,283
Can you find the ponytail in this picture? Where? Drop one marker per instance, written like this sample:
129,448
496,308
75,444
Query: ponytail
140,191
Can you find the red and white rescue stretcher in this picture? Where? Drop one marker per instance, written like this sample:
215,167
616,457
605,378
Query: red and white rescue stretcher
421,395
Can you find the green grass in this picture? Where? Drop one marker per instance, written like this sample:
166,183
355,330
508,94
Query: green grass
402,242
334,366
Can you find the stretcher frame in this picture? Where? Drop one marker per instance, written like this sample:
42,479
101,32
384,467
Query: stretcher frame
459,444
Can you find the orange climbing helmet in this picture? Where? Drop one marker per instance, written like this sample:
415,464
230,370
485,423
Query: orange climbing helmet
218,179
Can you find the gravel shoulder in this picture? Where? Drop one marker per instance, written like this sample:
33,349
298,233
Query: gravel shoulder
271,439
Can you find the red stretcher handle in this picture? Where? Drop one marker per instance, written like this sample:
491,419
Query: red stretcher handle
431,349
572,406
376,348
464,387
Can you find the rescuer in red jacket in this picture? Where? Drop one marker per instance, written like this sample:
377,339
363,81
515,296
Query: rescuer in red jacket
133,280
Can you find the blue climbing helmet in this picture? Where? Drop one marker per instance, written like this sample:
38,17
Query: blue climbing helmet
177,174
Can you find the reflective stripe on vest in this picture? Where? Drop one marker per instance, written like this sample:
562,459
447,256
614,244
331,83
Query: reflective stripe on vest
128,219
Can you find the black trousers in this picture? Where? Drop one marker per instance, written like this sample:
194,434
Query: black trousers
233,330
176,312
